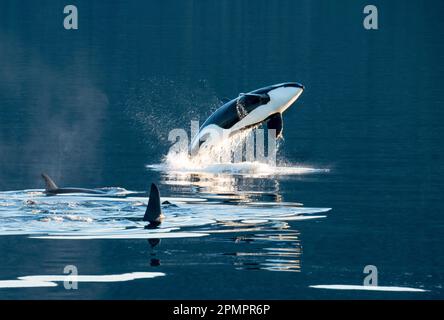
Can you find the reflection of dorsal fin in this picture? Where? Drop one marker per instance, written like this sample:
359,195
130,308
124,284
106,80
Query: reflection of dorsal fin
275,122
153,213
49,184
225,100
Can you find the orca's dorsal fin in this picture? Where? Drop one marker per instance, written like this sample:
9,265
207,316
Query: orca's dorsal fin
49,184
153,213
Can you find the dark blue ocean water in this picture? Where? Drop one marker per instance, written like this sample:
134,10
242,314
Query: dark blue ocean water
93,107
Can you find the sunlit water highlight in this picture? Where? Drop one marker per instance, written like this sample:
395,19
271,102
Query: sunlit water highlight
118,216
32,213
367,288
39,281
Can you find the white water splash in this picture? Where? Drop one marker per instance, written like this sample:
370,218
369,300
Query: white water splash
219,159
181,163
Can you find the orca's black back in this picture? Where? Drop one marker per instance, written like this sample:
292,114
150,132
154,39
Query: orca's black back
153,210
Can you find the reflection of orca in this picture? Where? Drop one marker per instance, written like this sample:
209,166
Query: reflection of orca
153,242
155,262
246,111
153,213
52,189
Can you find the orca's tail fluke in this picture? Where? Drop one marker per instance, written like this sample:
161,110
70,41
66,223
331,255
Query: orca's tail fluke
153,213
49,184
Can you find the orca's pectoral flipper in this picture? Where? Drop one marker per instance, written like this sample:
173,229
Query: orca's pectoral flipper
49,184
153,213
275,122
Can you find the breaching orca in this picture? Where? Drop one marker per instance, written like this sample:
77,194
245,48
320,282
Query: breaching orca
246,111
153,213
51,188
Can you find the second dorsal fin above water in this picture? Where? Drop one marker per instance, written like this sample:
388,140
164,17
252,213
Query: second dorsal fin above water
49,183
153,213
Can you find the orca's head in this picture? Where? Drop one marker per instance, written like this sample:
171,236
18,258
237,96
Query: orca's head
247,110
282,95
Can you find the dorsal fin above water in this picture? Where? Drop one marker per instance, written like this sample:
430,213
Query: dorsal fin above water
153,213
49,184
